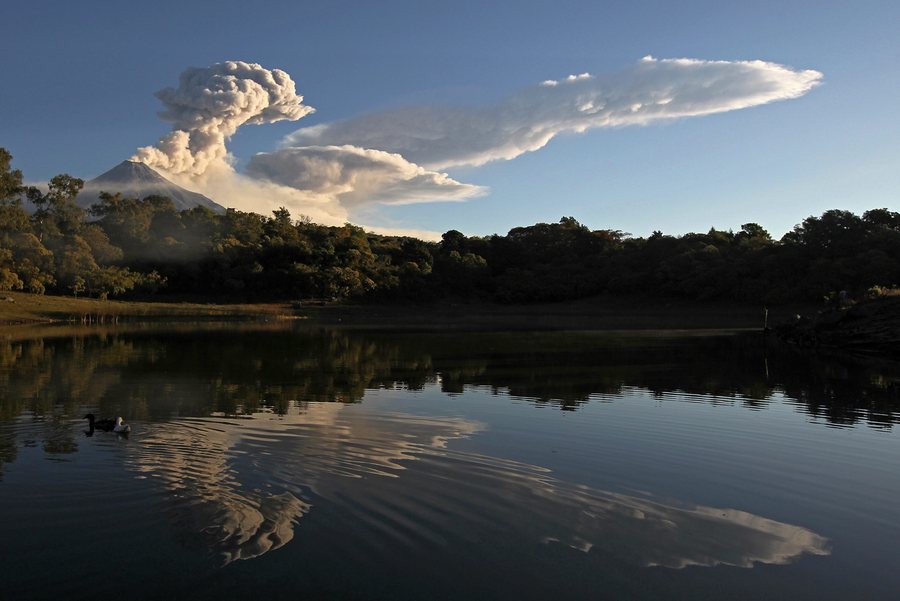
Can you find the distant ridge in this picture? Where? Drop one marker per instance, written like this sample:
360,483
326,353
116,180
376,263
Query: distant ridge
134,179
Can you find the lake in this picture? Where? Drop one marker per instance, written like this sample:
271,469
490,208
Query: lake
293,461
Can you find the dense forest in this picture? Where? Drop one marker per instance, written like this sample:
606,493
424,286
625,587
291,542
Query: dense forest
140,246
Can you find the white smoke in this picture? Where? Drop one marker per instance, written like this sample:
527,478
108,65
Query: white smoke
357,176
651,90
208,107
238,191
335,171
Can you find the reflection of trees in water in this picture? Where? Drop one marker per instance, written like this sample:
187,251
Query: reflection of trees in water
846,390
220,481
189,374
44,376
59,438
568,370
7,450
157,374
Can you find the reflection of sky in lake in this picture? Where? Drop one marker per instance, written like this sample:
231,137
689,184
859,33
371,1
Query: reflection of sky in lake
244,485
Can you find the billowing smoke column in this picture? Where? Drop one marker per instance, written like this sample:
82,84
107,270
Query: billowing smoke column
208,107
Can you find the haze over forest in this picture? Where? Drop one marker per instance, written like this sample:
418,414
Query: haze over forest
147,246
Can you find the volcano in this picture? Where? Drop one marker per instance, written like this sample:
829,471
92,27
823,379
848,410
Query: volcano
137,180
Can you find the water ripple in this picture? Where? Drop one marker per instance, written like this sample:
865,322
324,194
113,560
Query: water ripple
243,487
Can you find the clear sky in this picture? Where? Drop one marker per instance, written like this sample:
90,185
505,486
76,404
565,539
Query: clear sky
81,77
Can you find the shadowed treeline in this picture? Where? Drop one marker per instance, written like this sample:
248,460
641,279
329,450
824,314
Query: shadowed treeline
147,246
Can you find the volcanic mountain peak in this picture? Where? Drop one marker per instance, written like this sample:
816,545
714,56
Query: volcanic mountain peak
130,171
135,179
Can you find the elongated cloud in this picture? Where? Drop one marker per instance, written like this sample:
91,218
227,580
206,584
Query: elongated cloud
208,107
438,137
357,175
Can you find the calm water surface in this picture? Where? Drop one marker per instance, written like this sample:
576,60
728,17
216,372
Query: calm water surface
299,462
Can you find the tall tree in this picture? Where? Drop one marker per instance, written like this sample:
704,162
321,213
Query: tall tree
10,179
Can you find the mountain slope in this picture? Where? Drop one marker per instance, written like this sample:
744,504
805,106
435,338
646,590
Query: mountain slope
134,179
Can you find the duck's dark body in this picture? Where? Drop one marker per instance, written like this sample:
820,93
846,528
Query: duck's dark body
100,424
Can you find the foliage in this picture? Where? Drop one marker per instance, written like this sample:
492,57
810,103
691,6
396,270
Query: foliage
146,246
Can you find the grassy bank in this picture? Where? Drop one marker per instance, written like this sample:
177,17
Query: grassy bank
599,313
22,308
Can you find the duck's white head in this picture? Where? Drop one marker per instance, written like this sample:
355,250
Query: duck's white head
119,421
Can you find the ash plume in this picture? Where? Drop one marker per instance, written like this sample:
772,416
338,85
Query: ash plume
208,107
337,171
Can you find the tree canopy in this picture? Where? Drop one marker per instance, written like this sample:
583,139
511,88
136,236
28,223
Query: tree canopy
129,245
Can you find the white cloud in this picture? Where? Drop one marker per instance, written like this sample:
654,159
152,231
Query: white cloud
238,191
334,171
650,90
428,235
324,183
357,176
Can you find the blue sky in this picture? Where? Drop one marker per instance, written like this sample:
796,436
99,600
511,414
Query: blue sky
80,98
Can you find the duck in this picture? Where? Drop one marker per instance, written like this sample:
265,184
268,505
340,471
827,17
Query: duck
121,427
100,424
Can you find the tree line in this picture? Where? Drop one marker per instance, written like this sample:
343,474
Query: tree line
138,246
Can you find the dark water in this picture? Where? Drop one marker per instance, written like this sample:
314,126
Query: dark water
279,462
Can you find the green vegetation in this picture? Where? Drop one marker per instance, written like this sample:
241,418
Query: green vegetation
21,307
142,248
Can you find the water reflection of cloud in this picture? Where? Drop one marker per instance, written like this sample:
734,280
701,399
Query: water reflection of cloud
654,534
193,458
638,530
201,461
242,486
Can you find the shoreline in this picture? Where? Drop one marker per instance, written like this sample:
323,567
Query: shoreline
20,308
598,313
